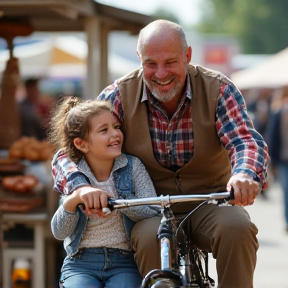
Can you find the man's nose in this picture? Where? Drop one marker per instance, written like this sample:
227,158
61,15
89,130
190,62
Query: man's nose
161,71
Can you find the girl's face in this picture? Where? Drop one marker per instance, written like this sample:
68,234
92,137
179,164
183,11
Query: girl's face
105,137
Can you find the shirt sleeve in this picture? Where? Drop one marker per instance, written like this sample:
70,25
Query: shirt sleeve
248,151
112,94
63,223
66,175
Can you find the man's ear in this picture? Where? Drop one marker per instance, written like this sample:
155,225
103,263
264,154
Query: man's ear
81,145
189,54
139,56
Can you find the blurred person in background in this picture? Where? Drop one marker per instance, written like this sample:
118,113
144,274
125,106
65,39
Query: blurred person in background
260,109
32,111
278,145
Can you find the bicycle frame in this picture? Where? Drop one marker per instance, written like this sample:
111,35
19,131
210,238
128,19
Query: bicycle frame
181,266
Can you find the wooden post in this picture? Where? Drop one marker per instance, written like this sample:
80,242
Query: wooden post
10,124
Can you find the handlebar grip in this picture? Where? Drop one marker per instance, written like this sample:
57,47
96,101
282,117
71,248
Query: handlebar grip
231,197
82,205
110,205
227,199
111,202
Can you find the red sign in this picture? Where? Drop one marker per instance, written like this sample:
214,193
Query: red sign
216,54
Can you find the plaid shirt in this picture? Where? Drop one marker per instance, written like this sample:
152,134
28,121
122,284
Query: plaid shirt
173,139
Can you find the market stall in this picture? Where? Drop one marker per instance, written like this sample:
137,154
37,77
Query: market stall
26,212
26,204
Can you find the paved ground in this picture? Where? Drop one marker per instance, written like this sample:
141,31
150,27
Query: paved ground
272,264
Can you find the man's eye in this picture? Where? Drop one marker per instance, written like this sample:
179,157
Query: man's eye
150,64
171,63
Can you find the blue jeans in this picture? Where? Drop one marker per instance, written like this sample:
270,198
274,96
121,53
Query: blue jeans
100,267
283,178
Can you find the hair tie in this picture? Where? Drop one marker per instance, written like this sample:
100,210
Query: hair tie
73,102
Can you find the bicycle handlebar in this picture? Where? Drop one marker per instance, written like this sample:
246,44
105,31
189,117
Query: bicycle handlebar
166,200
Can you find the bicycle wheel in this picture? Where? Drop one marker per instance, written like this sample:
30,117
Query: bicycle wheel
162,279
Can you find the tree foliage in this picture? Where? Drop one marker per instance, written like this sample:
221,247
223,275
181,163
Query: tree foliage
260,25
163,13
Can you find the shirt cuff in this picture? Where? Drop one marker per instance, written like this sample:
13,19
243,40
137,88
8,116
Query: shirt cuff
263,182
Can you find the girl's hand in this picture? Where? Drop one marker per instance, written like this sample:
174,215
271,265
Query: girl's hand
95,201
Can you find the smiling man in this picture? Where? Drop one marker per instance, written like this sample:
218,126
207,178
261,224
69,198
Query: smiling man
189,126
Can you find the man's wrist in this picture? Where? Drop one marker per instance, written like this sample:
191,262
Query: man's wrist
248,172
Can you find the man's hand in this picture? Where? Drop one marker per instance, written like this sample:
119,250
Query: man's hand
245,189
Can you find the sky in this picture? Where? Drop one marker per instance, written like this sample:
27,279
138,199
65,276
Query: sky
187,11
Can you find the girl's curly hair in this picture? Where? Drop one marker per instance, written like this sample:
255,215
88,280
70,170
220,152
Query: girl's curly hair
70,120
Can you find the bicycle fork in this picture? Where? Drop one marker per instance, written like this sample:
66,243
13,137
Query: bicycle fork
165,253
165,277
185,268
183,263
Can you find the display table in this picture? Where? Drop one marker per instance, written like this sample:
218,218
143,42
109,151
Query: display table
21,209
29,214
35,254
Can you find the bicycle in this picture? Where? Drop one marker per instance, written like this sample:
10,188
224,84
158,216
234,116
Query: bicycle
181,265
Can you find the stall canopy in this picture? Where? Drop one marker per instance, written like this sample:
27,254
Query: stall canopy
94,19
69,15
61,57
271,73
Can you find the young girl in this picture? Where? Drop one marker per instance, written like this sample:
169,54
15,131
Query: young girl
97,240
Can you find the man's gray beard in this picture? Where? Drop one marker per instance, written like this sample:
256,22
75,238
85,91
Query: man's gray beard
163,96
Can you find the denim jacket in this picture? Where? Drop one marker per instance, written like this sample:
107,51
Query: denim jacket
123,180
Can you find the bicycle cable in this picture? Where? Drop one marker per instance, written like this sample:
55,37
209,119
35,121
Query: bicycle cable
188,215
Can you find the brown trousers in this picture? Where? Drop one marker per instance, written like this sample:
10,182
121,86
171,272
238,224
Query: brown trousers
226,232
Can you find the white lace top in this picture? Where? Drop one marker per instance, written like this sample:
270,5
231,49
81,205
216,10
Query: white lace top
108,231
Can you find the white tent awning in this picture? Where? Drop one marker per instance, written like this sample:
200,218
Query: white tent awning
271,73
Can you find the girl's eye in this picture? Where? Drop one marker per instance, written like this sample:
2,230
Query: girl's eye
117,126
104,130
